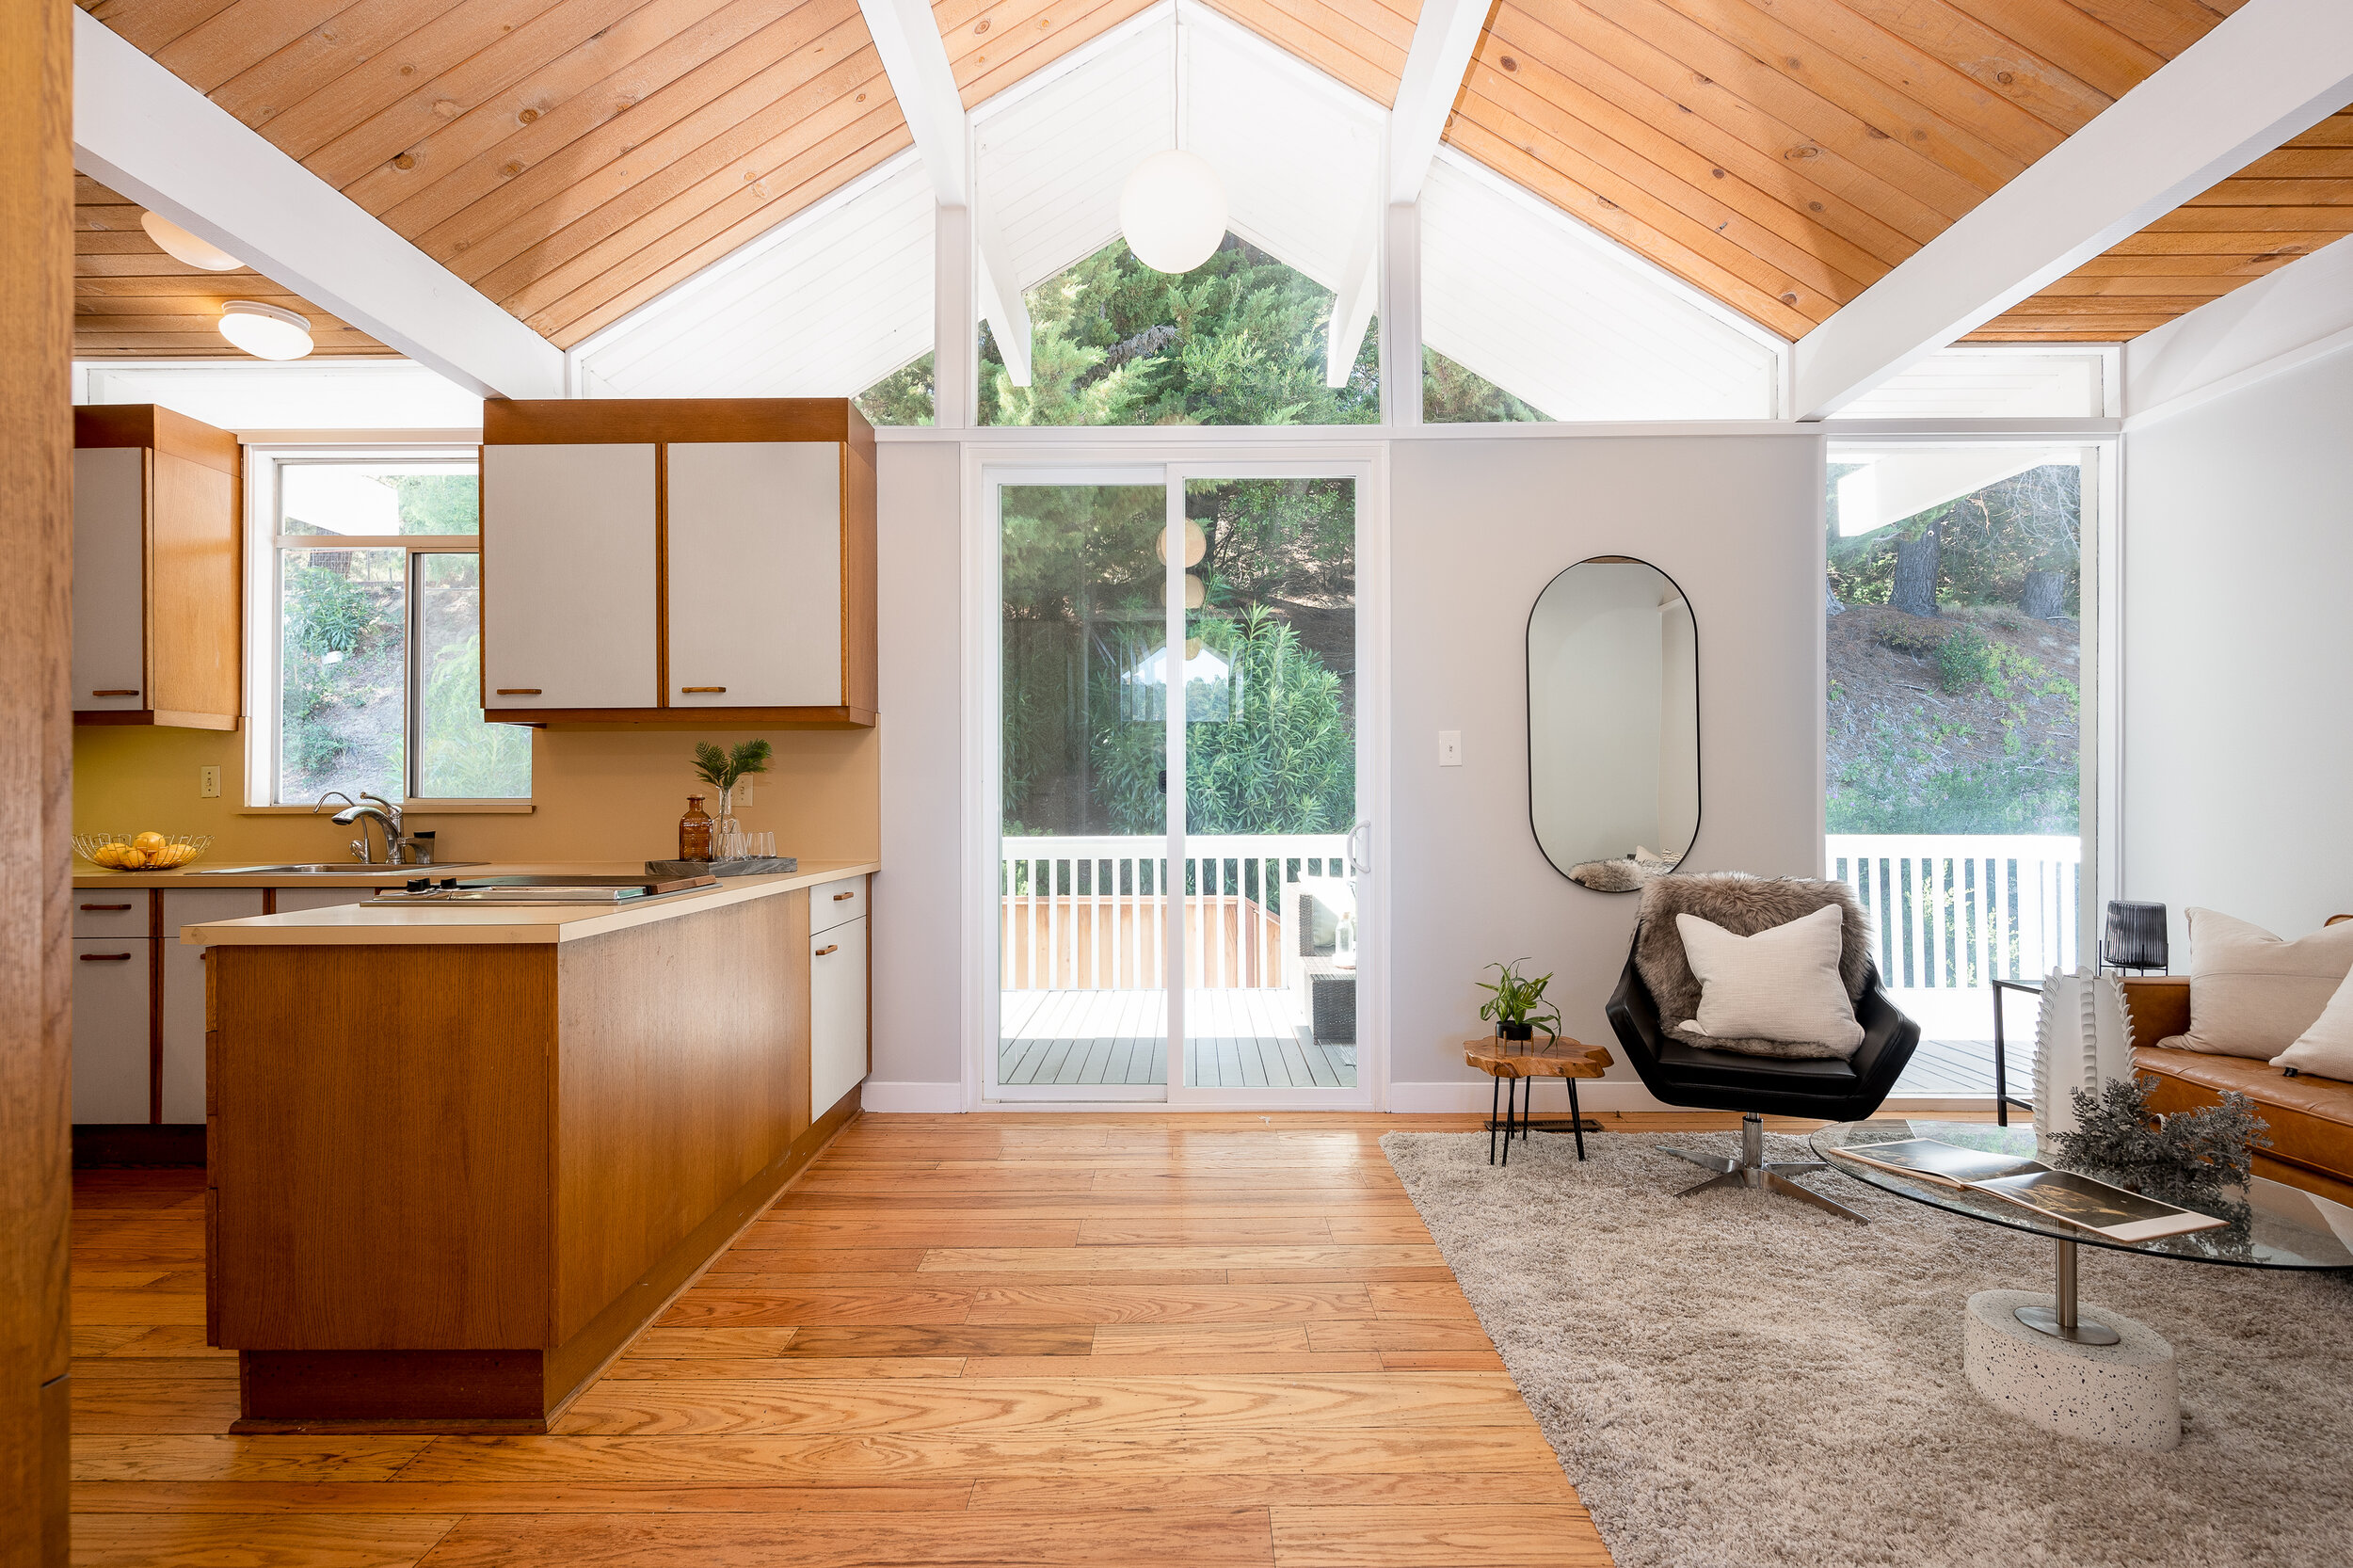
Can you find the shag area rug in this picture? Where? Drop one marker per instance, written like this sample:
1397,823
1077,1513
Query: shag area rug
1738,1381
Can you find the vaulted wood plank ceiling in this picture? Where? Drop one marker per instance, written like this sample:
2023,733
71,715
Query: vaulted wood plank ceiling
573,158
2286,204
133,301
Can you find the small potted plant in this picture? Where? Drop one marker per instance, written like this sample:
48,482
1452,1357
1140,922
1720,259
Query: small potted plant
1518,1004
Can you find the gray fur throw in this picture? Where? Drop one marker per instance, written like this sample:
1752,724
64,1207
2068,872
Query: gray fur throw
1743,905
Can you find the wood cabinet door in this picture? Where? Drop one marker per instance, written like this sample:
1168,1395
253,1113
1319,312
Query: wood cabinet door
110,1029
110,581
183,1008
837,1014
755,574
569,567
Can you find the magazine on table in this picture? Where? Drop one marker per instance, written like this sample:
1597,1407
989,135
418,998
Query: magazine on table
2064,1195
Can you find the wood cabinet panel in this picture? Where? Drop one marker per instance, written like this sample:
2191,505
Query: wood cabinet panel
569,583
836,990
754,541
109,579
111,1029
193,588
182,1012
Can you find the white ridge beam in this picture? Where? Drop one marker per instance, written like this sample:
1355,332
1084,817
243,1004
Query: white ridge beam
1443,41
2267,73
914,57
157,141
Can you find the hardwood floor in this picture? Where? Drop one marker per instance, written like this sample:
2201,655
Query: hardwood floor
960,1339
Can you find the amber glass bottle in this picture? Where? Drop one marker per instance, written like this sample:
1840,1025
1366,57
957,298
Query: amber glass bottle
694,831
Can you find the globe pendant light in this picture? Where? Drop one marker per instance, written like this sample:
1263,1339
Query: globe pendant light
1172,210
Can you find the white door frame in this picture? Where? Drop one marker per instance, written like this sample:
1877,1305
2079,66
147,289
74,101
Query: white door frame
988,468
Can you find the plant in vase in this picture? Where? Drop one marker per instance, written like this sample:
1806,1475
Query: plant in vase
1518,1004
723,769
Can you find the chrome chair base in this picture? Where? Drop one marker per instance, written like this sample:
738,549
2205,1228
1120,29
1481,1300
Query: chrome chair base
1754,1171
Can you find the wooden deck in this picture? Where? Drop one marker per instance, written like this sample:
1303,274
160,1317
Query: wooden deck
1951,1068
989,1341
1237,1039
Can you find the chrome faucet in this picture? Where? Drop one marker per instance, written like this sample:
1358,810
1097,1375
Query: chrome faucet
383,813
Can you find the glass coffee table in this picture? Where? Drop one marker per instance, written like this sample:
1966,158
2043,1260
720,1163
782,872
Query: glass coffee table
2271,1226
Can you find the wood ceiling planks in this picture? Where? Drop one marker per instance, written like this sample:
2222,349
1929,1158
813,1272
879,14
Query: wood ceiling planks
2282,206
994,43
571,158
133,301
1783,154
1361,42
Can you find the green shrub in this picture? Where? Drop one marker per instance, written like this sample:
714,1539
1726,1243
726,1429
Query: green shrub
1964,659
1910,635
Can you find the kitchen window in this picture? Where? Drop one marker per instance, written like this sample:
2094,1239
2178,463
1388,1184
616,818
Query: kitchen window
367,649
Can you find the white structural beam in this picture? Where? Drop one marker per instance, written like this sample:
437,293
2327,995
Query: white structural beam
157,141
1444,40
2280,321
907,37
2267,73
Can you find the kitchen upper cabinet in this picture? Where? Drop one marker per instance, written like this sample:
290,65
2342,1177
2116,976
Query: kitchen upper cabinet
728,576
569,557
754,547
156,596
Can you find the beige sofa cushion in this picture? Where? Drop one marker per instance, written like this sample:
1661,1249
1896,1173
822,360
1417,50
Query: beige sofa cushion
2251,994
2326,1048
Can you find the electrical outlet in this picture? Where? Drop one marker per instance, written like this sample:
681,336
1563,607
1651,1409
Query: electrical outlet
1450,748
208,783
744,791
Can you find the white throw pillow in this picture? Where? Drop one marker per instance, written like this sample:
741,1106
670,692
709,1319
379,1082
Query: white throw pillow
2326,1050
1778,985
2251,994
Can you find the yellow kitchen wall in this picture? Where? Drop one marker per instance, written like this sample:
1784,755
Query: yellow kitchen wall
599,794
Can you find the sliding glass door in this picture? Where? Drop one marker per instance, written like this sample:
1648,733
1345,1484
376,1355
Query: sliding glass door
1176,910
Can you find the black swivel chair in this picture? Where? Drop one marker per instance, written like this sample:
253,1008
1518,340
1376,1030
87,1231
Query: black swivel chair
1679,1073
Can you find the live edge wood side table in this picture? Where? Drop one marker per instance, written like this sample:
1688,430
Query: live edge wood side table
1514,1061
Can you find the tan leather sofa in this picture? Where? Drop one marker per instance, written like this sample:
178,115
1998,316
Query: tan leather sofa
2312,1118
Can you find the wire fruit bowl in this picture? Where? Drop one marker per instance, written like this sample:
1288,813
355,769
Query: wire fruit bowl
141,852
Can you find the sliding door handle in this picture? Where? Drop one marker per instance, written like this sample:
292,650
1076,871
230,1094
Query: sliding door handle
1360,862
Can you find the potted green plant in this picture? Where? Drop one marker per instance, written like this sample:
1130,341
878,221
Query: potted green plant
722,769
1518,1004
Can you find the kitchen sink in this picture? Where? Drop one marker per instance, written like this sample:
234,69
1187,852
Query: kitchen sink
334,868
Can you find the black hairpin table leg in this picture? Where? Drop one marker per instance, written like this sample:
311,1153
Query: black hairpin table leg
1576,1118
1494,1098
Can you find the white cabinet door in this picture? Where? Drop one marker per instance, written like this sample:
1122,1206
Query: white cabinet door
568,574
110,1030
184,992
837,1014
110,580
755,574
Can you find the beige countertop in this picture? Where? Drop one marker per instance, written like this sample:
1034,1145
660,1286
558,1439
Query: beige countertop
354,925
204,875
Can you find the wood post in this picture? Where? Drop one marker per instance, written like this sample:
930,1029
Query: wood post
35,524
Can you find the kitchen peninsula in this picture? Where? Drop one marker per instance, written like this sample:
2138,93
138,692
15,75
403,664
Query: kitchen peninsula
458,1156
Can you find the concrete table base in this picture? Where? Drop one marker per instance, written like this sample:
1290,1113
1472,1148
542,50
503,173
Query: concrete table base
2125,1394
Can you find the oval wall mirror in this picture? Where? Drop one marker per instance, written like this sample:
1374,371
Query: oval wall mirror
1613,724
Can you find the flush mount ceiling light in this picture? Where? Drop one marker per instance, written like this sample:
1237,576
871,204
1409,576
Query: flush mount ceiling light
181,246
266,331
1172,210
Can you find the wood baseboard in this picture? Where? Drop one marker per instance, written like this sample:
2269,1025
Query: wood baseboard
500,1391
100,1145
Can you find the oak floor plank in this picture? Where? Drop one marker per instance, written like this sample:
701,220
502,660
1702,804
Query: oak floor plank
269,1541
136,1406
1416,1536
797,1368
1330,1258
1207,1537
1199,1338
190,1457
1452,1489
1148,1304
1246,1363
460,1497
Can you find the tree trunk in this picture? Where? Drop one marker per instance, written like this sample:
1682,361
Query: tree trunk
2041,598
1916,562
1829,601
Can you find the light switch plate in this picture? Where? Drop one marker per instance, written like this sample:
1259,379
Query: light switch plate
1450,748
208,783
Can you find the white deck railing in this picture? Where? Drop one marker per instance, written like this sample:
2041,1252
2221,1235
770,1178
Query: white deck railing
1956,912
1092,914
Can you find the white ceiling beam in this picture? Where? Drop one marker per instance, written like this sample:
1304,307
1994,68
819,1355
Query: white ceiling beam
157,141
1444,40
2267,73
914,58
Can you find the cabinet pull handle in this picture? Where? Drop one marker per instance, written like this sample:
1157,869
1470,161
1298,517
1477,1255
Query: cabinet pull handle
124,957
702,688
837,897
518,691
132,691
104,908
829,947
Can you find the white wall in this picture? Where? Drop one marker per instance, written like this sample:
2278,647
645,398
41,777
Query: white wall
1478,528
2238,644
917,933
